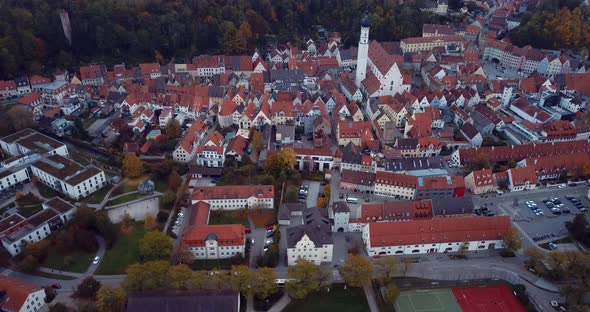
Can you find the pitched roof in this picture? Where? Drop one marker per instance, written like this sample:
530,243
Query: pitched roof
396,179
315,226
519,152
522,175
17,293
483,177
233,192
396,211
439,230
91,72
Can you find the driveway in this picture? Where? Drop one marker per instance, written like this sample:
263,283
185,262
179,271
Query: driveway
312,195
258,248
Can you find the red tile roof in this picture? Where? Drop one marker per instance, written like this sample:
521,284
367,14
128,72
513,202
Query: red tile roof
519,152
149,68
442,230
561,164
381,59
578,82
483,178
314,151
233,192
522,175
17,293
396,211
90,72
396,179
7,85
441,183
29,98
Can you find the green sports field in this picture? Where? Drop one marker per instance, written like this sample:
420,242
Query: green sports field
437,300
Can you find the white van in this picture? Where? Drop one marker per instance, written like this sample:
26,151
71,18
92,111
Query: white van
352,200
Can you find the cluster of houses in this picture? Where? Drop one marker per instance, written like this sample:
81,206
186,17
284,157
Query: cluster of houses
390,116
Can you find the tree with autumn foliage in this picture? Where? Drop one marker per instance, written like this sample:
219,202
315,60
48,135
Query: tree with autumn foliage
281,164
132,166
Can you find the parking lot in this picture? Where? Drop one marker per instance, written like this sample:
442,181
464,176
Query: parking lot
539,227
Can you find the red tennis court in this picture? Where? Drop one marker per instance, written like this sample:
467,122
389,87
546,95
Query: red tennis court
497,298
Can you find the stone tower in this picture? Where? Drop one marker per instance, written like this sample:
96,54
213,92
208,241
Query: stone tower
363,51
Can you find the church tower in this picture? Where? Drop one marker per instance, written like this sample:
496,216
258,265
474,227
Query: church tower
363,51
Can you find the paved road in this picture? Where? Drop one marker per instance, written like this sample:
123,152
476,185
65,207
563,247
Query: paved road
312,195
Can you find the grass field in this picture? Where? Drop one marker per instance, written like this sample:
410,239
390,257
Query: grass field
97,197
438,300
124,252
125,199
238,216
337,299
80,261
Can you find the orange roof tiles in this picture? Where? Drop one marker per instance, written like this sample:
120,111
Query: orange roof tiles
523,175
17,293
519,152
396,179
233,192
442,230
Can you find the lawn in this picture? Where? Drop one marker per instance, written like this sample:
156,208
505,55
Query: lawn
124,199
239,216
29,210
28,200
80,261
98,196
124,252
338,299
46,191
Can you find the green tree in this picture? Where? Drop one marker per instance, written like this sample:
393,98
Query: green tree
578,227
391,293
179,277
263,284
173,129
198,280
242,279
88,288
257,141
357,271
151,275
155,246
281,164
150,224
132,166
110,299
292,194
305,278
168,198
512,239
387,266
174,181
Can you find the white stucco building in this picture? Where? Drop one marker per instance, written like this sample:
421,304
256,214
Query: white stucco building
20,296
235,197
311,240
439,235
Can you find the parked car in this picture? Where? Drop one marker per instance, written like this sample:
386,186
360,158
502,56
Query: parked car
552,246
56,286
